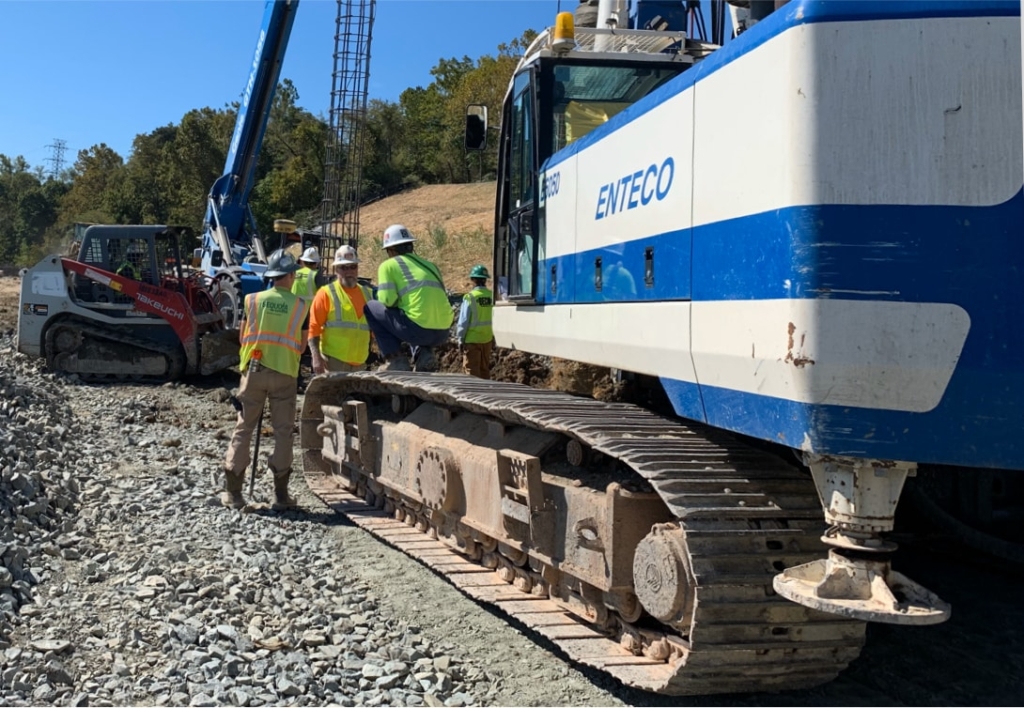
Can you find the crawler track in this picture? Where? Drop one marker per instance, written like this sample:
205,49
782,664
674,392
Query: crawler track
98,353
746,516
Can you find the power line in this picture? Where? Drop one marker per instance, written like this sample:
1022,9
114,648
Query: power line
57,159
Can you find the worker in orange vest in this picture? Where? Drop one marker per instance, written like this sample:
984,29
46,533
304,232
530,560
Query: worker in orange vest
339,336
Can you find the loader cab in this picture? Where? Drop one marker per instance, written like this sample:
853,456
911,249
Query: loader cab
124,250
553,103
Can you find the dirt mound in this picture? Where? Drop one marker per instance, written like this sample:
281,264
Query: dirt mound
539,371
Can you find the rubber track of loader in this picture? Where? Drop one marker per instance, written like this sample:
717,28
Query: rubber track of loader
746,515
173,354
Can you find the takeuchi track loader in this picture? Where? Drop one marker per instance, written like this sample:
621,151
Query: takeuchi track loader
123,310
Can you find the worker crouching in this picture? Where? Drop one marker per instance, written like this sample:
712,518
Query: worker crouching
412,305
474,330
273,337
339,336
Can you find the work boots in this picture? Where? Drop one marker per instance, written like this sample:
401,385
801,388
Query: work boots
281,499
232,497
398,362
424,359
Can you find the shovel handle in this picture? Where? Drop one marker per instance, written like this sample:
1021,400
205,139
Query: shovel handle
256,452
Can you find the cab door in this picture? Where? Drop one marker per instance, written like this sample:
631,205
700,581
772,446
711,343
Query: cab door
517,258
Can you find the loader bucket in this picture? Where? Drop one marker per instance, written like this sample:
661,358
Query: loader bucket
218,351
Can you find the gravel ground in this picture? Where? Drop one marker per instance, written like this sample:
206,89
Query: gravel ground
123,583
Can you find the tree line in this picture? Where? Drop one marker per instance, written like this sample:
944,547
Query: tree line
168,174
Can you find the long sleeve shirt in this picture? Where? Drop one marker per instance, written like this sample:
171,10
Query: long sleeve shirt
463,324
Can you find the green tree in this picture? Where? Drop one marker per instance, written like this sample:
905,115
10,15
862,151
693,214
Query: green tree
196,161
424,110
94,179
145,194
293,185
28,210
434,117
388,162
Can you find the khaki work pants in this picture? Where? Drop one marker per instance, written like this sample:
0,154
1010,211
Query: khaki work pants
258,387
476,360
336,365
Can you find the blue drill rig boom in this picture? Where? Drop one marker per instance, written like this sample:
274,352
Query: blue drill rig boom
233,254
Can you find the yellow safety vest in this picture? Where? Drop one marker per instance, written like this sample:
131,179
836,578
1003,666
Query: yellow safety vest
481,302
273,326
127,270
346,337
305,283
415,285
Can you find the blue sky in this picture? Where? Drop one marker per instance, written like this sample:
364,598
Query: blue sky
103,71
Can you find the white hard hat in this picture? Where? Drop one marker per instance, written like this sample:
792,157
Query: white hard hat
345,255
310,255
396,235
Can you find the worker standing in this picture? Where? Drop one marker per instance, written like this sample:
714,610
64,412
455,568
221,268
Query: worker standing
307,282
272,339
411,306
306,277
339,337
474,330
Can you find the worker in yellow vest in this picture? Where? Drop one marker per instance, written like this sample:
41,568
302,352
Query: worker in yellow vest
307,281
273,336
339,337
306,276
411,306
474,330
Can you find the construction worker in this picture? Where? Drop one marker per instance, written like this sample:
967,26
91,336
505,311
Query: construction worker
128,270
474,330
273,336
132,265
339,337
306,276
411,306
307,282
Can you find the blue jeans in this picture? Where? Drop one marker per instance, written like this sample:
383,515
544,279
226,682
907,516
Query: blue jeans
391,327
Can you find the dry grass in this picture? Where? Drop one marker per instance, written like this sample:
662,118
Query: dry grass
10,291
452,223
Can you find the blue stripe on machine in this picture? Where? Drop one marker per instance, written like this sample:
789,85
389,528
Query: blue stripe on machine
853,252
623,272
954,433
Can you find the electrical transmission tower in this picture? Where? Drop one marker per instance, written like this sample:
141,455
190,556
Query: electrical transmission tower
57,158
343,168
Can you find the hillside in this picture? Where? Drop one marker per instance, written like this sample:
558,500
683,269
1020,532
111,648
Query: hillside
456,207
452,223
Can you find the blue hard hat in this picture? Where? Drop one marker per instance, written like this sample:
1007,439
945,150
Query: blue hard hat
280,263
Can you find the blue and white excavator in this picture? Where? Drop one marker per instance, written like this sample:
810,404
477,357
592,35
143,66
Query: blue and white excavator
232,253
809,240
